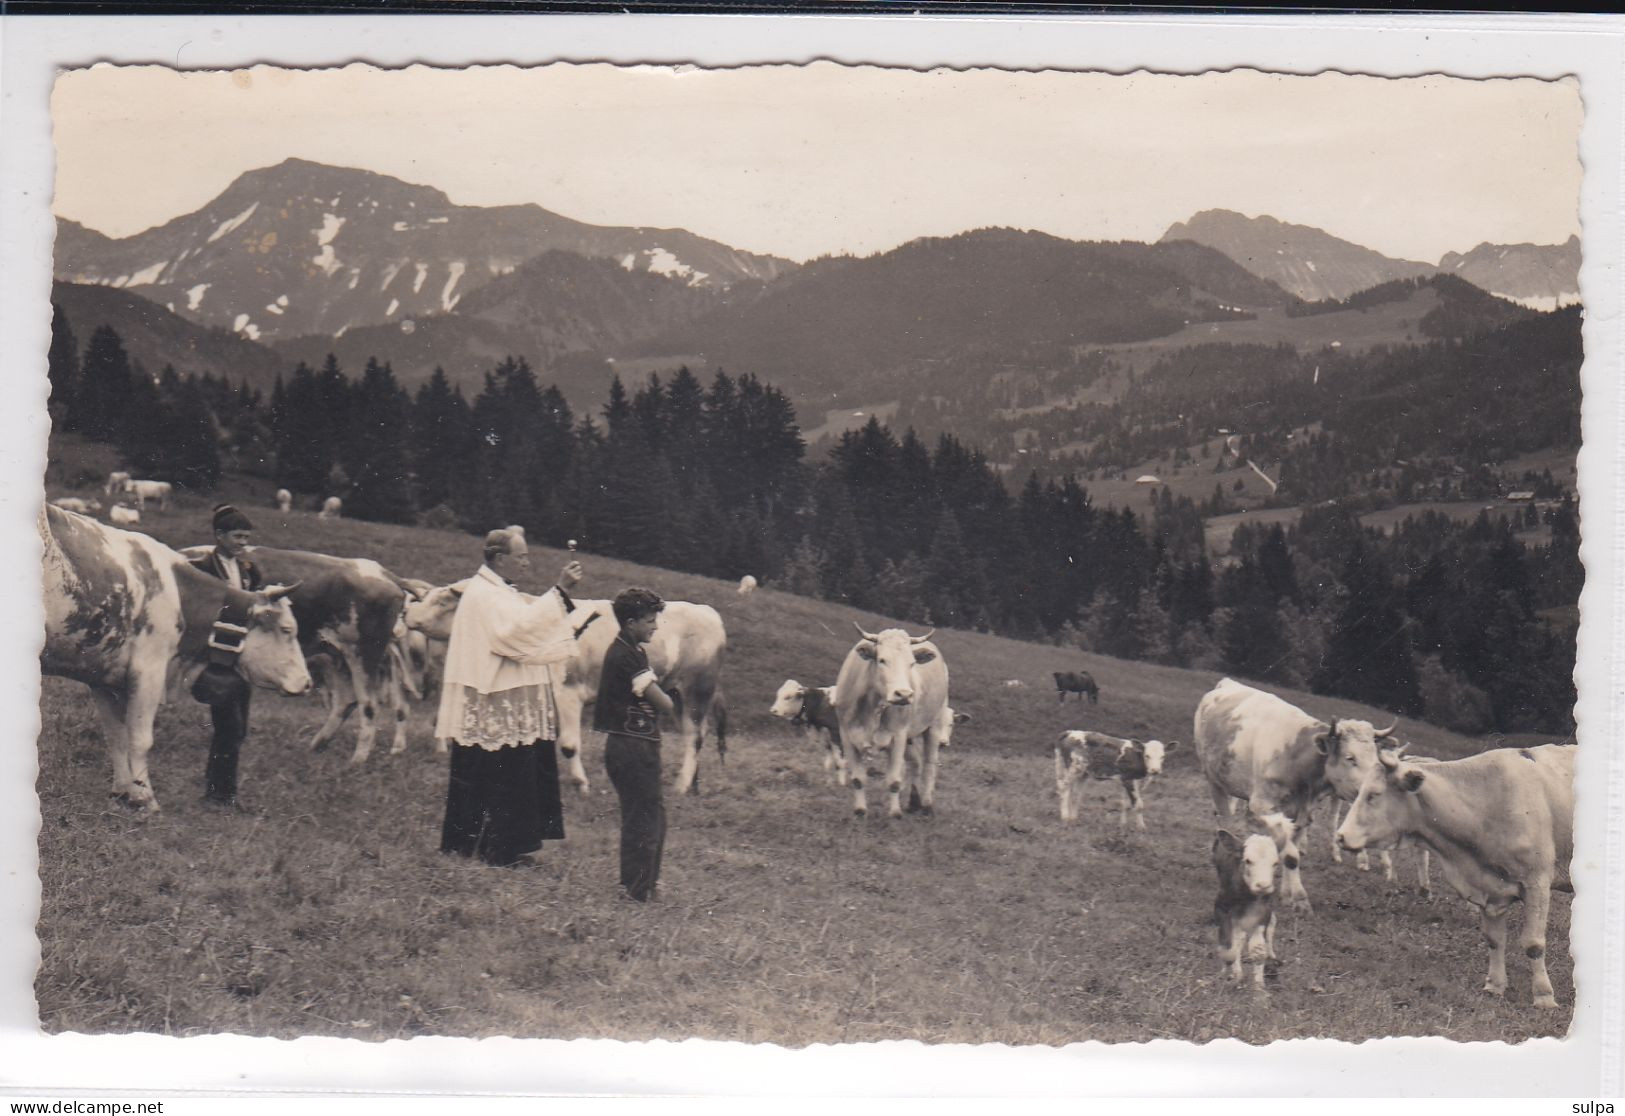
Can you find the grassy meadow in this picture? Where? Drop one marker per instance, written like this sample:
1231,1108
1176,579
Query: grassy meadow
321,906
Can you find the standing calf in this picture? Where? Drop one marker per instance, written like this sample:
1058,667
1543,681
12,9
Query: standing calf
1080,754
1245,908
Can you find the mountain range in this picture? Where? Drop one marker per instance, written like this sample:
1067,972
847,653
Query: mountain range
304,248
297,260
1316,266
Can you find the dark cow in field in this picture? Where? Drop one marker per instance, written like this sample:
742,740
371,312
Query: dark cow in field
1245,907
891,691
1078,682
121,609
1502,823
1081,755
1268,753
347,610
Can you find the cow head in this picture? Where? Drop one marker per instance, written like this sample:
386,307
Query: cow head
1250,864
270,655
787,703
1155,752
1350,748
1378,818
894,653
433,612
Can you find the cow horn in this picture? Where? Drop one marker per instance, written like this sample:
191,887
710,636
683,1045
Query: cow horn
922,639
1387,732
277,592
866,635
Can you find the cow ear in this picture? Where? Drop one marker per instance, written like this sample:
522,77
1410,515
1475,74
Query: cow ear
865,650
1323,743
961,718
456,589
1411,779
1170,746
924,654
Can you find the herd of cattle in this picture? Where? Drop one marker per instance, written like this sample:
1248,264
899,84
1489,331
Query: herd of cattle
130,618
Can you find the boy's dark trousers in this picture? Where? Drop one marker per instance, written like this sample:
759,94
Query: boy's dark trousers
634,768
230,719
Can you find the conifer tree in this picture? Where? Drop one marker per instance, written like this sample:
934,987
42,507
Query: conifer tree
103,398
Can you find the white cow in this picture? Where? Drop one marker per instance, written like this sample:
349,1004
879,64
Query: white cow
78,504
284,500
1270,754
122,515
1502,823
144,490
685,654
115,483
747,585
122,609
332,508
892,688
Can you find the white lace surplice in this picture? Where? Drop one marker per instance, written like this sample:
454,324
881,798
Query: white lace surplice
504,718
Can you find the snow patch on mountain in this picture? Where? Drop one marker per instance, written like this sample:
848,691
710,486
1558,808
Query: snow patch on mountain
423,273
331,225
394,305
390,271
243,325
457,267
235,222
194,295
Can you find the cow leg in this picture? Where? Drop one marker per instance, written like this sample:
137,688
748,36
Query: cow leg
1257,951
1132,800
1337,820
367,735
1537,902
1269,938
398,682
323,669
1229,946
856,769
1223,804
572,711
1063,785
692,733
1495,933
110,710
1424,876
894,777
1386,858
140,710
931,763
1281,828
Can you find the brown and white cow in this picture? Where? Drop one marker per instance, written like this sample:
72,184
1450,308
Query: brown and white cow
1268,753
1502,824
813,707
121,608
892,689
685,654
347,610
1081,755
1245,906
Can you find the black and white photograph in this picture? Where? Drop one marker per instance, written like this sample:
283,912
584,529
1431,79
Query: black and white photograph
812,554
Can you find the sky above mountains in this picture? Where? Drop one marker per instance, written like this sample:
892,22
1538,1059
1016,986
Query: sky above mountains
804,161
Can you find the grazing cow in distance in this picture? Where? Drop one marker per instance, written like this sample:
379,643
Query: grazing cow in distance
747,585
121,609
814,708
332,507
1081,754
1078,682
1245,907
78,504
891,689
284,500
1502,823
122,515
1014,684
144,490
1255,747
115,483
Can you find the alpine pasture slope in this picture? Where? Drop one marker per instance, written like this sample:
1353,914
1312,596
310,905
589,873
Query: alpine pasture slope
322,906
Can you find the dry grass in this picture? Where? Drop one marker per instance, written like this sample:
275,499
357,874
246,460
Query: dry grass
322,907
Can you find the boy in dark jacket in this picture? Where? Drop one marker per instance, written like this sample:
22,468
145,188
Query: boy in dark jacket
629,704
229,562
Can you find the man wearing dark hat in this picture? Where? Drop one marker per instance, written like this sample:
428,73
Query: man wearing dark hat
229,562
